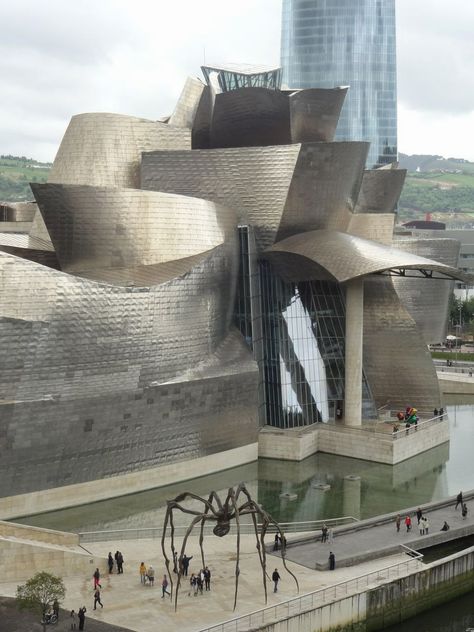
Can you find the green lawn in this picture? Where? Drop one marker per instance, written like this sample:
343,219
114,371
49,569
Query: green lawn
452,355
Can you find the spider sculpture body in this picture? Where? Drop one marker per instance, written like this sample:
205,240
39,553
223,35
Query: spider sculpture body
237,503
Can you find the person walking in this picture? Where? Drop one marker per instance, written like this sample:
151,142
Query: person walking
459,500
332,561
408,523
207,578
97,599
81,615
464,511
110,561
164,587
397,522
419,514
73,618
275,542
275,580
142,571
96,577
421,526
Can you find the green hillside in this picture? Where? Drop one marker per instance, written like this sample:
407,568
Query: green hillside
15,175
442,187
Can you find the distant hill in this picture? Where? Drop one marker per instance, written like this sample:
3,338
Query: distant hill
427,163
443,187
16,172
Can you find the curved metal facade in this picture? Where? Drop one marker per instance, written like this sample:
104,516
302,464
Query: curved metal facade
129,356
426,302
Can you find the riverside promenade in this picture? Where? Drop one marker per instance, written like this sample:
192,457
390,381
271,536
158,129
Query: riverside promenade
372,547
378,537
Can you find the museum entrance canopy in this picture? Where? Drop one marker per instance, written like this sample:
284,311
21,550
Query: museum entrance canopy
336,256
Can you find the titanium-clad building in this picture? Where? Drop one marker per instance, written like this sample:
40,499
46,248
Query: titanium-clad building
328,43
185,283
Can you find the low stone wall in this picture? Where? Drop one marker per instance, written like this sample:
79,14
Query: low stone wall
92,491
36,534
391,603
299,443
454,385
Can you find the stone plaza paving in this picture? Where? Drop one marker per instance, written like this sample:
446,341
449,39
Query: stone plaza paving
130,604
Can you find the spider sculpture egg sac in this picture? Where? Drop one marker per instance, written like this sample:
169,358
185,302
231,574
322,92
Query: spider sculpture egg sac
221,529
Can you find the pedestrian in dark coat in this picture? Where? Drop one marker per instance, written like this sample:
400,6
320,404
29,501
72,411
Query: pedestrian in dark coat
324,533
419,514
97,599
185,562
464,510
120,561
96,577
275,543
110,561
275,580
458,500
164,587
82,617
332,561
207,578
397,522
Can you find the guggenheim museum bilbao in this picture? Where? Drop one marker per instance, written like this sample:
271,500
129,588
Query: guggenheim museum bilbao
185,282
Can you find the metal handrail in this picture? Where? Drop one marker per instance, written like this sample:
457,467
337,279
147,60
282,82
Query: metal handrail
297,605
246,528
422,425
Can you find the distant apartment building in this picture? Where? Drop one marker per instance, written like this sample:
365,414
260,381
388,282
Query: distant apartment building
328,43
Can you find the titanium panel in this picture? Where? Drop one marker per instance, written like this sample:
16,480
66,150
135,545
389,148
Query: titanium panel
104,149
250,117
89,339
377,227
345,257
397,361
380,190
314,114
254,181
186,108
324,188
428,302
98,229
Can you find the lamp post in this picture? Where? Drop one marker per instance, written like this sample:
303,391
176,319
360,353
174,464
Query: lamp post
459,332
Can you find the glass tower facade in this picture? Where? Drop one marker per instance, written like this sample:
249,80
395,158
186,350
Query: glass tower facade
328,43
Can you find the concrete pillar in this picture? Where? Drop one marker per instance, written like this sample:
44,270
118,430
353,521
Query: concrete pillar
351,496
354,338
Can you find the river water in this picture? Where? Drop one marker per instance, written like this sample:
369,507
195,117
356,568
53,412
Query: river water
376,489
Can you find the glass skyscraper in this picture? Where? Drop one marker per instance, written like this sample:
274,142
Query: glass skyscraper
328,43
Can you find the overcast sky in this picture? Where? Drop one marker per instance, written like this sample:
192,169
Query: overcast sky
63,57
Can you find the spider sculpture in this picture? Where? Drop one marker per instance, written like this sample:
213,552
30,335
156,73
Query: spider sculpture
221,513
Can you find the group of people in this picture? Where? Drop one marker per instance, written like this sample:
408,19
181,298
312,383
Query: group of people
439,413
147,574
327,535
118,560
279,542
422,520
200,580
81,616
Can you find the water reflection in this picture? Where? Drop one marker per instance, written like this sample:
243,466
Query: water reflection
353,487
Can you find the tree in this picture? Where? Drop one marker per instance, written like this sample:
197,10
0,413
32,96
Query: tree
39,593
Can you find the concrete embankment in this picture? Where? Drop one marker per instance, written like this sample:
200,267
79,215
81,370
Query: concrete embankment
378,607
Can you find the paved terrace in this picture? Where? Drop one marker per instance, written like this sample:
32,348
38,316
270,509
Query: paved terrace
378,537
372,547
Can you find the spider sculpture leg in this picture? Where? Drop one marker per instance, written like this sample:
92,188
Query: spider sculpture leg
237,522
168,518
212,496
183,549
252,513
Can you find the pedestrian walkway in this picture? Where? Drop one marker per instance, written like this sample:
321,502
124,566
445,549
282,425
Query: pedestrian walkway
378,537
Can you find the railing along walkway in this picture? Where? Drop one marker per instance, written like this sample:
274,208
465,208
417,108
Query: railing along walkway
180,530
318,598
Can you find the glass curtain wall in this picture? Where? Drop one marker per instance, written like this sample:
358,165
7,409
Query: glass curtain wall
297,332
328,43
